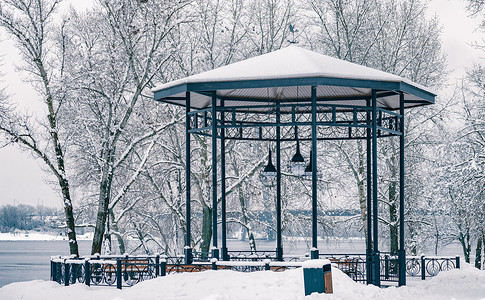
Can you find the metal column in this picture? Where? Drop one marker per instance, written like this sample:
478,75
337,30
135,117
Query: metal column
376,260
314,251
214,250
369,254
279,243
188,248
402,251
224,253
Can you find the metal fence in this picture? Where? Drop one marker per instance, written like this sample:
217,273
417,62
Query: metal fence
354,265
430,266
106,270
125,271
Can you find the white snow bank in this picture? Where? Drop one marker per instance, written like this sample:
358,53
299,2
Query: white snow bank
467,283
315,263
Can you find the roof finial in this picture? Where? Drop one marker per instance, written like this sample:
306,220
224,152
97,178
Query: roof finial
293,30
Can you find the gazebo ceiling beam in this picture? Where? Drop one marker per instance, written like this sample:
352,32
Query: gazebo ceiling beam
383,94
301,139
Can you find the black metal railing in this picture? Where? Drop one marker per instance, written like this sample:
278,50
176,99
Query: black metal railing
106,270
389,267
251,255
125,271
430,266
201,256
354,265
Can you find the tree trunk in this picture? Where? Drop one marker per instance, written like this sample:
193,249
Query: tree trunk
246,220
100,225
206,228
71,228
464,240
119,238
361,175
478,253
393,228
103,207
104,199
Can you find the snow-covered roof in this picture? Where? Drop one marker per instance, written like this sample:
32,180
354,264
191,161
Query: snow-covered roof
287,75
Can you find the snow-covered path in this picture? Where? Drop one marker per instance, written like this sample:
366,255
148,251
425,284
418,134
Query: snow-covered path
467,283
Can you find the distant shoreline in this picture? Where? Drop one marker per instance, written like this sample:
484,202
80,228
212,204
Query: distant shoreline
36,236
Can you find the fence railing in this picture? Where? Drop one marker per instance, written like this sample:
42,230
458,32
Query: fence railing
354,265
125,271
252,255
429,266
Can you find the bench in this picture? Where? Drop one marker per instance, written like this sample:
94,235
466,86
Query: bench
347,265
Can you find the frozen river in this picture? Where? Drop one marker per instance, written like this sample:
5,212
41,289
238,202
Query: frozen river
29,260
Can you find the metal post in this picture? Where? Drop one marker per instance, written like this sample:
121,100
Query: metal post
314,251
369,254
157,265
402,250
52,271
266,265
279,243
188,249
223,187
386,266
457,265
66,273
163,267
87,273
214,250
376,260
423,268
119,278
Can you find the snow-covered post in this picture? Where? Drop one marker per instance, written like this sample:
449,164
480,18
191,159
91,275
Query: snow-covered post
163,266
87,272
187,248
214,264
266,264
66,273
157,265
314,250
53,269
317,276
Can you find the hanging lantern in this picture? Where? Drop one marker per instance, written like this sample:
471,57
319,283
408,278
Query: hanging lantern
268,174
297,163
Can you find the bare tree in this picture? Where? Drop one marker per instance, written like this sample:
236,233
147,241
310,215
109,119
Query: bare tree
30,24
116,51
362,31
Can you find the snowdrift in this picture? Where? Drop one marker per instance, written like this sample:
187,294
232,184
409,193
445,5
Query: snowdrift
466,283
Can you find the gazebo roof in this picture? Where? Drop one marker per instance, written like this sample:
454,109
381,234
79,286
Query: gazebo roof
286,75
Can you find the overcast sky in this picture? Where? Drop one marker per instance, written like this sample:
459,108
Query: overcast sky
23,181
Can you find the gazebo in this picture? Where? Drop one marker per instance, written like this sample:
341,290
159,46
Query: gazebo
285,91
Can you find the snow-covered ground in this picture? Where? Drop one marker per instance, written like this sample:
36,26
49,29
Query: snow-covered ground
466,283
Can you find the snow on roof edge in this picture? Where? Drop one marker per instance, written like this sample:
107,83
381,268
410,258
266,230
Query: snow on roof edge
275,65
